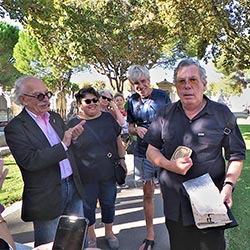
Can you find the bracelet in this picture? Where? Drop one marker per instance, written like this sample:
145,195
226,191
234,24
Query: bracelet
122,158
229,183
2,221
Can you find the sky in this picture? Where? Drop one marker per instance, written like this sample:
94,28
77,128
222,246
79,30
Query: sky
237,103
11,21
157,75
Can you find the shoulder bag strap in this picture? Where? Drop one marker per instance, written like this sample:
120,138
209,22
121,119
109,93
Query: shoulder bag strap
230,125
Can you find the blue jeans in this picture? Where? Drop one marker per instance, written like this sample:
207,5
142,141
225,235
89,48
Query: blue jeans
145,170
104,191
44,231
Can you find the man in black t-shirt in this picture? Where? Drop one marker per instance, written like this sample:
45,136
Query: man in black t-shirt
207,128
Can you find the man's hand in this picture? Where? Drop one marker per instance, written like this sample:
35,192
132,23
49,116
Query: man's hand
226,193
141,131
179,166
78,129
73,133
182,165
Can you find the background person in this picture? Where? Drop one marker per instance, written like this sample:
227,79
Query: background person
120,101
100,137
40,145
198,123
107,104
141,110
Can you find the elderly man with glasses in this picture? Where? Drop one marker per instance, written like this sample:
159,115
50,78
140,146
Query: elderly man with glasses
40,144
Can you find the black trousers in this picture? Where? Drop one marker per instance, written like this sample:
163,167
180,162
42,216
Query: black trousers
192,238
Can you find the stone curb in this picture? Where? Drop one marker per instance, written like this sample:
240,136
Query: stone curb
4,151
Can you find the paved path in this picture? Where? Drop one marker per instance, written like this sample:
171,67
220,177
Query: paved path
129,221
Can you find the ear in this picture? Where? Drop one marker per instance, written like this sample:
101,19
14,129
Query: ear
204,86
22,100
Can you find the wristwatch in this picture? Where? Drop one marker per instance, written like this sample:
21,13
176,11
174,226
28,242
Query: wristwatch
229,183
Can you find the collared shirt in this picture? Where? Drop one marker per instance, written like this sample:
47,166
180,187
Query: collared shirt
53,138
204,134
141,112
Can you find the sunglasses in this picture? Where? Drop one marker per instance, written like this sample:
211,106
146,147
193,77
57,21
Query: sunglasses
106,98
88,101
41,96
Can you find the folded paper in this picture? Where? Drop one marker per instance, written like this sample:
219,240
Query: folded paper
206,202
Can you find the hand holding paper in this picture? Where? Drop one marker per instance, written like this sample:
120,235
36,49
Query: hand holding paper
206,202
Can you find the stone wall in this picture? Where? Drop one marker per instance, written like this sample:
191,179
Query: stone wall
2,139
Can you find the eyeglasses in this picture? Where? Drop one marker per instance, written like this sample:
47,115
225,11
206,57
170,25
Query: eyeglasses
182,82
41,96
106,98
88,101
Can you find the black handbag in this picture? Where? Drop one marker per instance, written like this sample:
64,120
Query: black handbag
119,171
131,146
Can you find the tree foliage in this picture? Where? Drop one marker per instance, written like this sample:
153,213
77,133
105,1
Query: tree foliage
118,34
29,60
27,55
217,30
113,34
8,39
51,59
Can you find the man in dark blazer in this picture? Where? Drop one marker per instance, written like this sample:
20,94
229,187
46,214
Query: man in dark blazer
40,144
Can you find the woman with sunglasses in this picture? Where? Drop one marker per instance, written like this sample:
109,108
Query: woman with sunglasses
100,139
107,104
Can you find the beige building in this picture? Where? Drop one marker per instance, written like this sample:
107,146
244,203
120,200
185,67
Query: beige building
169,88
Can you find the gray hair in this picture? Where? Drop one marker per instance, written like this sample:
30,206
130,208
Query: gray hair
136,72
19,88
188,62
105,91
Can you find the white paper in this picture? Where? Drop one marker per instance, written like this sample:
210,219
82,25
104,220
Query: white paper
205,195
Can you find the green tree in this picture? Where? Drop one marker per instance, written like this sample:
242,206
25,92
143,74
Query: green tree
27,55
217,30
119,34
56,63
111,35
236,79
8,39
